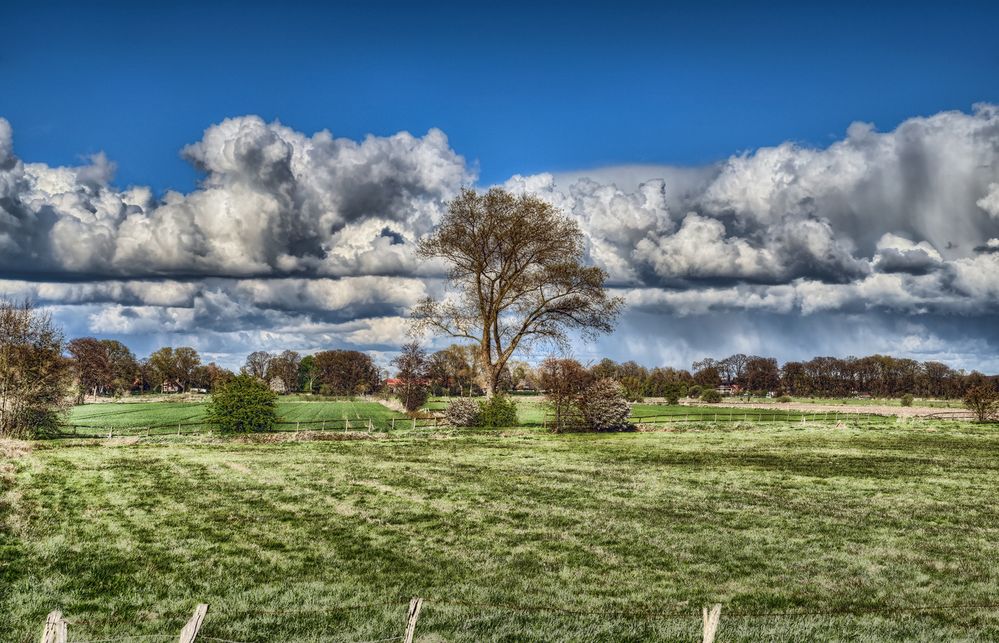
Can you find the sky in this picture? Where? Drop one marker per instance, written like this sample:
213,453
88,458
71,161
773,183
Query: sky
782,179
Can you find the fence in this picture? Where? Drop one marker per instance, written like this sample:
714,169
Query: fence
759,416
56,628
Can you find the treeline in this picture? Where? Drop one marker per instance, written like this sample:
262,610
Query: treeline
874,375
108,367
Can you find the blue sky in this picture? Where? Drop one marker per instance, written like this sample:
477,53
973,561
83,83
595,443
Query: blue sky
786,179
527,88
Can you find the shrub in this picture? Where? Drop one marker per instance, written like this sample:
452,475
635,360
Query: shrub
784,399
497,411
243,405
463,412
694,391
604,407
983,401
906,400
672,394
711,396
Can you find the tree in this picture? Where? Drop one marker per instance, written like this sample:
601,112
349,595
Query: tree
760,374
102,366
210,376
983,401
707,373
284,367
341,372
243,405
91,365
563,380
307,374
162,367
453,369
257,363
413,370
124,366
33,373
516,277
186,359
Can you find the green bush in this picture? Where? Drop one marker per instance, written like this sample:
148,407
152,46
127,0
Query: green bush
497,411
784,399
672,393
711,396
243,405
906,399
694,391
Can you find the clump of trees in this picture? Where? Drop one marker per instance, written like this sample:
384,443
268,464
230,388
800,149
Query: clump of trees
34,375
580,400
242,405
102,366
344,372
171,367
516,277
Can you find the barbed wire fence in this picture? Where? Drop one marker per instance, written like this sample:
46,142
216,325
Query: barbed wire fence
57,626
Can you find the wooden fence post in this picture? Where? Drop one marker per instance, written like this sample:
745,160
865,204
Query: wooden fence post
369,425
393,424
415,606
414,424
711,622
190,631
55,628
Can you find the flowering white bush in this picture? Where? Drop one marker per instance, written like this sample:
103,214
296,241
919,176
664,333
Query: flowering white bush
463,412
604,406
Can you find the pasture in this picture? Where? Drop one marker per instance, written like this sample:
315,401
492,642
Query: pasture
167,417
802,531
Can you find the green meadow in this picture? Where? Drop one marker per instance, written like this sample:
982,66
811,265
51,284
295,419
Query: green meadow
804,532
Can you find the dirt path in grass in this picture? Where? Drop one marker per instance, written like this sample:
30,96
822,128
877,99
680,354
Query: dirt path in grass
900,411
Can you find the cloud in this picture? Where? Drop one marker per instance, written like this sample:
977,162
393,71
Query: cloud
898,254
307,241
272,201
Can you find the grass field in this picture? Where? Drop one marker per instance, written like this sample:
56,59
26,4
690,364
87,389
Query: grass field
280,538
125,419
854,401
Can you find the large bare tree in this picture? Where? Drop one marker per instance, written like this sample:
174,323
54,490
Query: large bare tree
517,277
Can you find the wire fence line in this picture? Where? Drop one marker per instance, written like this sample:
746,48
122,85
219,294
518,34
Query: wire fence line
55,630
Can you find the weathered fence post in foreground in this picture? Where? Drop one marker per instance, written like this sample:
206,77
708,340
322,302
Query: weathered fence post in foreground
190,631
415,606
711,622
55,628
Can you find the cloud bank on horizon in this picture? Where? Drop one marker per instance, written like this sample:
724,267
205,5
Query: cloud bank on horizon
882,241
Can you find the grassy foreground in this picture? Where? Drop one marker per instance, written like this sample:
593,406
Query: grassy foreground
280,538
